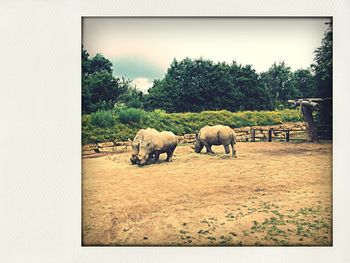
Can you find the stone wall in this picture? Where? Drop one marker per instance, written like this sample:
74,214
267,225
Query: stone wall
105,147
244,134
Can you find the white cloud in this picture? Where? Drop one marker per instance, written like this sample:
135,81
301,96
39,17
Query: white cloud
142,84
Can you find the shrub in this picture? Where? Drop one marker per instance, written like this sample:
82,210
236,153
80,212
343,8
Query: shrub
124,123
291,115
130,116
103,119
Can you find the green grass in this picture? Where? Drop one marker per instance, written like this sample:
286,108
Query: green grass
123,124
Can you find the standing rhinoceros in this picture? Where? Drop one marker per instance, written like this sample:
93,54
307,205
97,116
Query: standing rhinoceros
157,143
135,145
216,135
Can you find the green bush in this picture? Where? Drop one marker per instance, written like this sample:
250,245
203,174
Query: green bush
103,119
291,115
124,123
130,116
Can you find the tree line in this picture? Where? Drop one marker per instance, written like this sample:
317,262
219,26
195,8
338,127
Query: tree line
101,90
194,85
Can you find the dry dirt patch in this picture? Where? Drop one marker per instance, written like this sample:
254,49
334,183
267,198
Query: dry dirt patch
272,194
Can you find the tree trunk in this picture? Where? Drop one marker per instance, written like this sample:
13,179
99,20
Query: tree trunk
311,132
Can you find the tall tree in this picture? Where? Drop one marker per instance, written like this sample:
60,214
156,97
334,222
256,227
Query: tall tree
279,81
323,65
100,63
323,68
256,97
305,82
85,62
132,98
100,89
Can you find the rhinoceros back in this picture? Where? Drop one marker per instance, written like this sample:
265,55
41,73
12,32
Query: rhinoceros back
166,140
216,135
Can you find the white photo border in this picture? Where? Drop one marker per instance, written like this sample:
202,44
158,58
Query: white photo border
40,168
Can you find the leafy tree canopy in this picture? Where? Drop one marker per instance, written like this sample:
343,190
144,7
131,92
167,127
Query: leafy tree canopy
323,68
100,89
279,82
200,84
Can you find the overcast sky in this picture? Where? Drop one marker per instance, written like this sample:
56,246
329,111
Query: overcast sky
142,48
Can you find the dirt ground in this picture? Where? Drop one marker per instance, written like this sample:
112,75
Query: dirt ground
273,194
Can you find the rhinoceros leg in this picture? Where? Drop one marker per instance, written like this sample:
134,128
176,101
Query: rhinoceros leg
208,147
156,156
227,149
209,150
150,156
233,149
170,154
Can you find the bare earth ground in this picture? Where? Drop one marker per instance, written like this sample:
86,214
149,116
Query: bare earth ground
273,194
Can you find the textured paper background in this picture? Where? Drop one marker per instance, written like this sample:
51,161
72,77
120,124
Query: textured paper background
40,162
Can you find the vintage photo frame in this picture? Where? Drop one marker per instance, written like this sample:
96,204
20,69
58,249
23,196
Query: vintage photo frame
41,193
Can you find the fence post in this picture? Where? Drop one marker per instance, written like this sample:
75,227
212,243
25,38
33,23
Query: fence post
270,135
287,136
253,135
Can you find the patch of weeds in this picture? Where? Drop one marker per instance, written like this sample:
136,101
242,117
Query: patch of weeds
245,233
282,242
275,231
251,210
230,215
223,242
203,232
266,205
270,226
88,227
225,239
301,223
257,227
277,214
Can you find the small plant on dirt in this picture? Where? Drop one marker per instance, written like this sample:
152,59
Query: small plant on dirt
203,232
230,215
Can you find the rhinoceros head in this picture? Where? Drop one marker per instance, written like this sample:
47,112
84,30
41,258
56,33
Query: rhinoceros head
145,149
198,146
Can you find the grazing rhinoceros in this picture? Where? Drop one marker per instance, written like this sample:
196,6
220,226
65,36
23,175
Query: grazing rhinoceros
157,143
216,135
135,145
